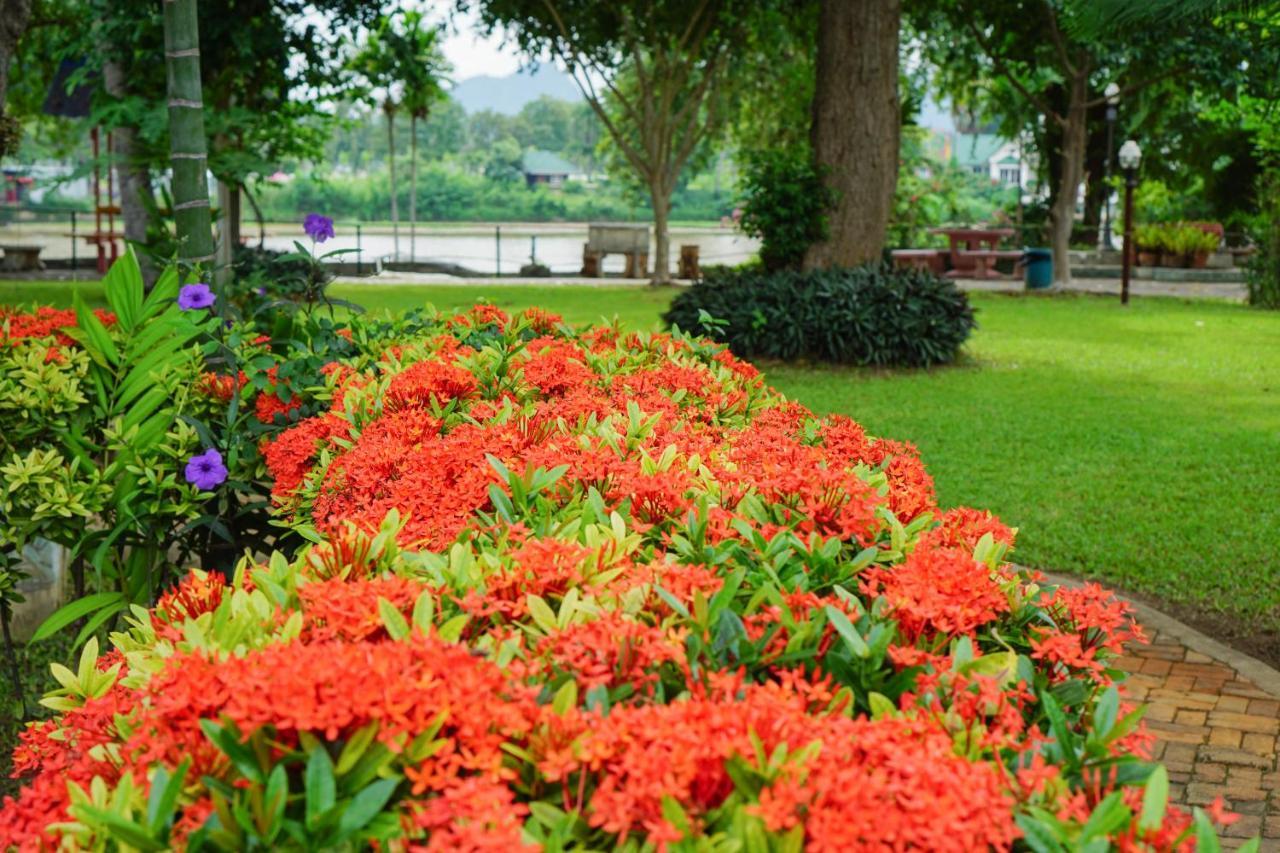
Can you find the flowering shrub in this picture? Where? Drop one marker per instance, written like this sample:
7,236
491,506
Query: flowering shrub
600,590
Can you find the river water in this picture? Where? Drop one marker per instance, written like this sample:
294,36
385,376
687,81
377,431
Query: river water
478,247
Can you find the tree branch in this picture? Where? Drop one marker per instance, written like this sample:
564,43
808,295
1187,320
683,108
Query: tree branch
998,64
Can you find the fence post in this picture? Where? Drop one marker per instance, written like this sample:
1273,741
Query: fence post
75,271
497,246
533,249
359,252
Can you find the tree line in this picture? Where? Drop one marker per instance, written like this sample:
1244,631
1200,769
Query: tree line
823,85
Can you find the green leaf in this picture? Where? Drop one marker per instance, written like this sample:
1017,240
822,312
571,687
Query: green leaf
165,790
365,805
1154,799
355,747
162,295
97,340
69,613
1108,816
845,629
566,697
320,786
240,754
119,828
393,619
123,286
98,619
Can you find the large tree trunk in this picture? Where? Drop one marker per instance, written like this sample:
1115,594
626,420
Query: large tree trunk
856,126
14,15
413,187
391,175
188,153
660,199
1071,172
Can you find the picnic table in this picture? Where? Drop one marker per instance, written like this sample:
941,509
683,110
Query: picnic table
974,251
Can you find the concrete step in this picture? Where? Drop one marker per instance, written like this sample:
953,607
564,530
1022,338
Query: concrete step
1169,274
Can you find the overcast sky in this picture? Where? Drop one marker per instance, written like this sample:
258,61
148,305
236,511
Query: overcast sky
472,54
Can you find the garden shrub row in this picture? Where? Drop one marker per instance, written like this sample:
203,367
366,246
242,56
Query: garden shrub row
869,315
575,589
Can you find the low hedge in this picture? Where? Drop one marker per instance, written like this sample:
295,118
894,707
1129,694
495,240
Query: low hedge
870,315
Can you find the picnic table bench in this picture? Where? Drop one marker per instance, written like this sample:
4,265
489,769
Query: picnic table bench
933,260
974,251
21,257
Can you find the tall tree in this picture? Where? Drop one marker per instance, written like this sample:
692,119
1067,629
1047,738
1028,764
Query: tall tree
14,15
658,73
856,126
1033,65
188,155
379,66
421,64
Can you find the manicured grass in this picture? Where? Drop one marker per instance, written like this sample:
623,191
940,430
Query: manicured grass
1140,445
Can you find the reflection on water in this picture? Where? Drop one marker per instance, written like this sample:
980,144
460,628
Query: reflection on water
560,249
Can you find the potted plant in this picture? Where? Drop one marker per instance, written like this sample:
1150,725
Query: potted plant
1170,246
1146,242
1200,243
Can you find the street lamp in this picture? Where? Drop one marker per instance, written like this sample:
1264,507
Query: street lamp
1130,156
1112,93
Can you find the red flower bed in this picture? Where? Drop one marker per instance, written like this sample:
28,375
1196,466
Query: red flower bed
600,589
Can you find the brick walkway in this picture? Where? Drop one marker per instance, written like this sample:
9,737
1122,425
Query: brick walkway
1217,731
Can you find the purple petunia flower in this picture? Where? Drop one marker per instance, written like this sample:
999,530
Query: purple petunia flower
196,296
318,228
205,470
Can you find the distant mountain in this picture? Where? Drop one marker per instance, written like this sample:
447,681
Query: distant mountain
508,94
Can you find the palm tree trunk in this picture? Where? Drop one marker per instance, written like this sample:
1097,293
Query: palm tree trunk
188,154
413,187
391,170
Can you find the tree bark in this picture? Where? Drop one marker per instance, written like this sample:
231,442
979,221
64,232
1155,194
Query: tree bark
188,151
660,199
137,199
413,187
257,215
14,15
390,111
856,126
1071,173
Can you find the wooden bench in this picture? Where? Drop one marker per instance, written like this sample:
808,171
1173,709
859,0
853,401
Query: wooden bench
981,263
921,259
21,257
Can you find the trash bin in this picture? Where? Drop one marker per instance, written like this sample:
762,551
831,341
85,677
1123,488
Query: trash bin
1037,268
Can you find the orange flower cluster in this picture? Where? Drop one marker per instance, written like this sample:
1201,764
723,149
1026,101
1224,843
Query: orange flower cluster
603,589
44,322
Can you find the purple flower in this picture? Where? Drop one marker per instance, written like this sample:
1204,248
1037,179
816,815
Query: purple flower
205,470
195,296
318,228
261,291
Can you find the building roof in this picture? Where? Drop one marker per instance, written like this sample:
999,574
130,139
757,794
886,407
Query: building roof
538,162
976,149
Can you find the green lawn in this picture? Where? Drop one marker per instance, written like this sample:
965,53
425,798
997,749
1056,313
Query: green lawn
1139,445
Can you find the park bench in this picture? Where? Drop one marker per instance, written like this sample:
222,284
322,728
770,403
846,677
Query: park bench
21,257
933,260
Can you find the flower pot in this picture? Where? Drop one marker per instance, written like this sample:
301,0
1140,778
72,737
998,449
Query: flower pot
1170,259
1199,260
1148,258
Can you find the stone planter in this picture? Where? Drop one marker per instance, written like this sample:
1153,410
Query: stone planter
1147,258
46,566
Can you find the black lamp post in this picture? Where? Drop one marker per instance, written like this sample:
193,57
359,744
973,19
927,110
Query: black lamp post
1130,158
1112,93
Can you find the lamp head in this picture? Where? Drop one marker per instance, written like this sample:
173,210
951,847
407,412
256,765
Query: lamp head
1130,155
1112,93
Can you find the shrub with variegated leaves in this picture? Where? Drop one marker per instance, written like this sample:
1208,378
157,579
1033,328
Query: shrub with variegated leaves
601,590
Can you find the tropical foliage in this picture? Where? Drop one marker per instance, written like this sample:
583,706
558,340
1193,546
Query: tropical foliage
594,589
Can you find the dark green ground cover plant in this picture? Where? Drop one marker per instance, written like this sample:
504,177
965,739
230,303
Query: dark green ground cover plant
870,315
